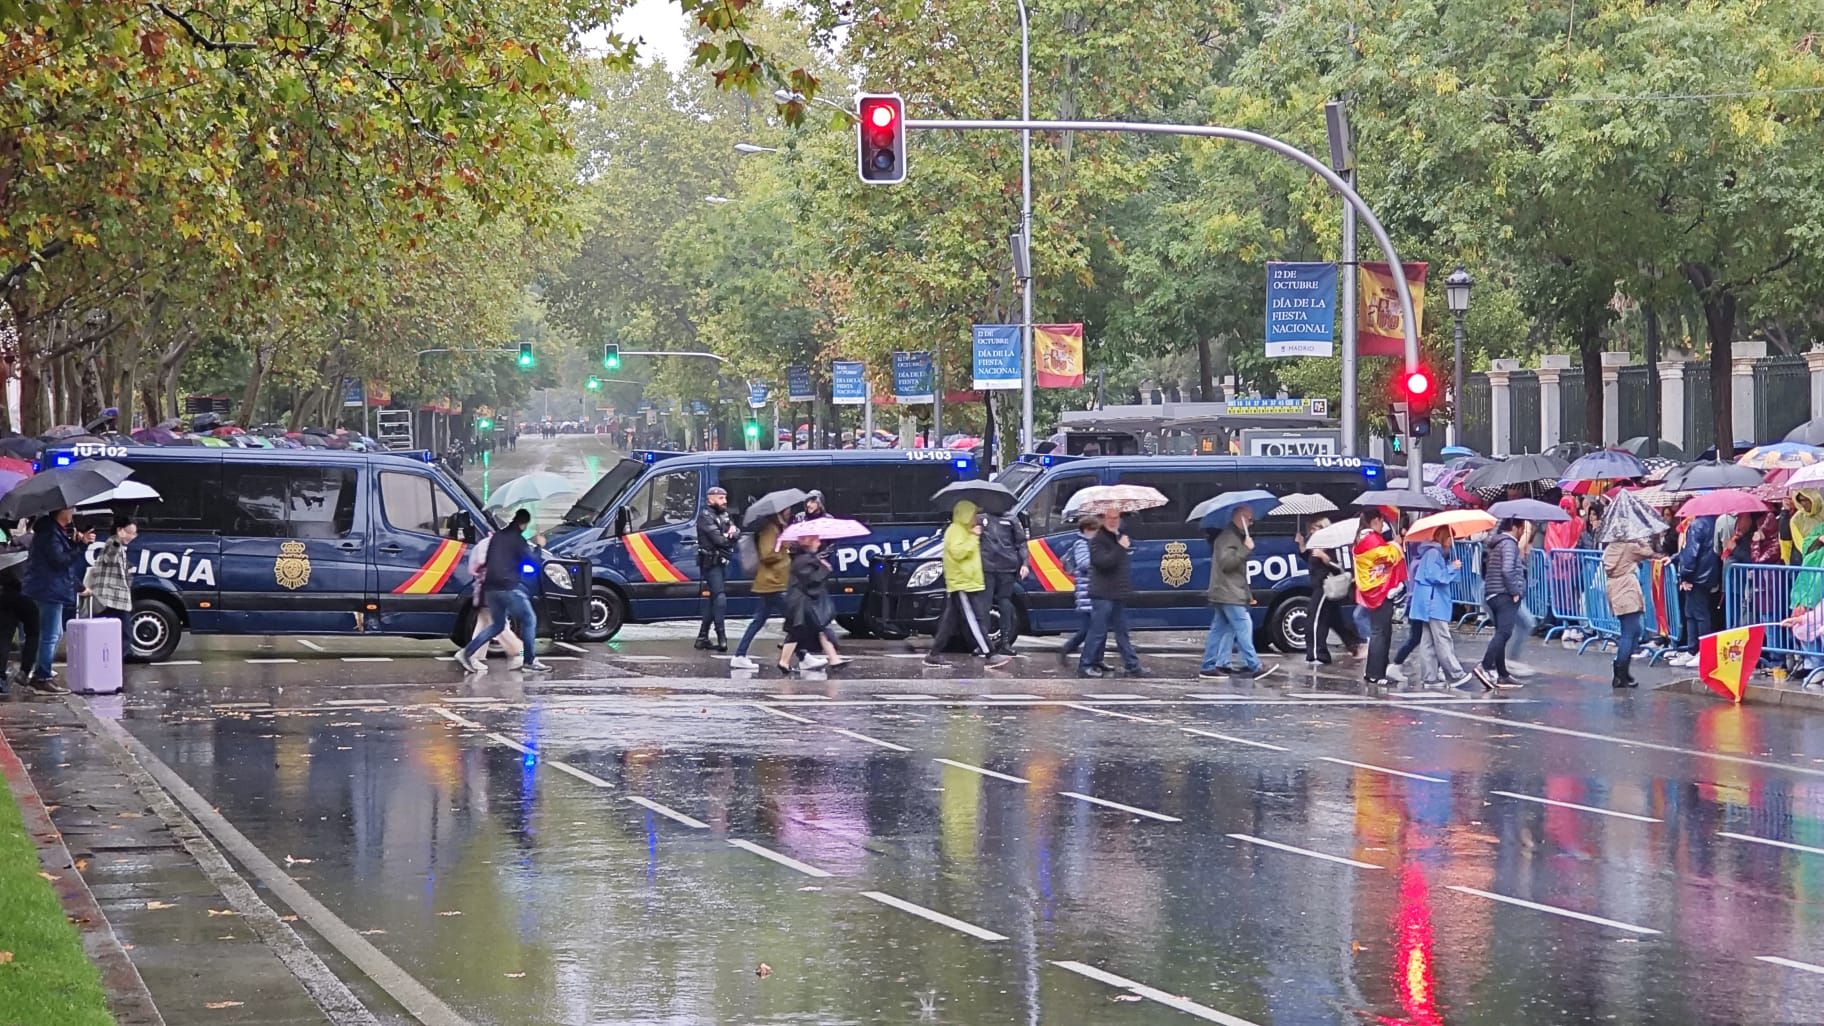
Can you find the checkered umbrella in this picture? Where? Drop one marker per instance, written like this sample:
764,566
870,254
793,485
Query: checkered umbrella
1302,504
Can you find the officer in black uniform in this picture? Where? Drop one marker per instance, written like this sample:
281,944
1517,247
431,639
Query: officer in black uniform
716,534
1003,564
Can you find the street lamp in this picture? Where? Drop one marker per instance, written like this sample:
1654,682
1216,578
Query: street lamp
715,200
1456,295
747,147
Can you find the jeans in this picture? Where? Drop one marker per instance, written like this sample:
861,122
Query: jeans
506,604
772,603
1630,637
1415,633
1527,622
965,611
16,612
1358,615
1504,609
1076,640
1380,640
1699,607
1328,615
715,607
1230,627
1107,615
1001,584
50,632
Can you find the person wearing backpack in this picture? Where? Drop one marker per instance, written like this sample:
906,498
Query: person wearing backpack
771,577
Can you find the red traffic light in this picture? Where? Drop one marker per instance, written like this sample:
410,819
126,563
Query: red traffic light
881,115
1418,384
880,139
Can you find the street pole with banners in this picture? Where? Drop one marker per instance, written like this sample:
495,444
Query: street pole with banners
1026,370
1342,161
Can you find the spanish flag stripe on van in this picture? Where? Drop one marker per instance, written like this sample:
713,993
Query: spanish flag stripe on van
431,577
652,565
1046,568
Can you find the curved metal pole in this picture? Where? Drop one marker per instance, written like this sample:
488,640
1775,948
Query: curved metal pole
1027,380
1335,181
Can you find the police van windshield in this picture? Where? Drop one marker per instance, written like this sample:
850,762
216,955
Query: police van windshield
474,500
1019,477
604,493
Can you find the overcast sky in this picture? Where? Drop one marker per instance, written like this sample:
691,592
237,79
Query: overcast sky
660,24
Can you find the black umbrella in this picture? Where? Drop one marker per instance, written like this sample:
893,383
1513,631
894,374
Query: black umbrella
1708,474
770,504
62,488
1568,451
1516,470
1398,499
21,447
988,496
1638,446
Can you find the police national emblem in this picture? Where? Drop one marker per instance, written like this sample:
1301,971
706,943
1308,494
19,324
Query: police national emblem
292,569
1175,566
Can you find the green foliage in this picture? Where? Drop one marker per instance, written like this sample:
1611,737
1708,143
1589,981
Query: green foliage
47,976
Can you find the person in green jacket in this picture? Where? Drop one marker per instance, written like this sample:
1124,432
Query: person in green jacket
965,589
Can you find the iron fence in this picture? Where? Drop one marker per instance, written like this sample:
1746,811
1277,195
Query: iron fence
1782,396
1478,413
1573,418
1523,387
1636,397
1700,423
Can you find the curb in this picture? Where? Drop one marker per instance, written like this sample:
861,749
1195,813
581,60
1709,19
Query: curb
1754,694
128,999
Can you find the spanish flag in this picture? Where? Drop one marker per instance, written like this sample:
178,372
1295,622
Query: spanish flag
1380,567
1726,658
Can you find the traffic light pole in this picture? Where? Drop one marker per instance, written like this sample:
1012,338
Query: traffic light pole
1336,182
673,352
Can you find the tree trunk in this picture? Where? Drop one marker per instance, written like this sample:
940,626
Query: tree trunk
250,396
1206,370
1589,352
1719,306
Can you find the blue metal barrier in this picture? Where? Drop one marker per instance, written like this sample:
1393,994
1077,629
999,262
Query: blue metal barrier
1768,594
1665,597
1566,586
1466,590
1604,625
1538,600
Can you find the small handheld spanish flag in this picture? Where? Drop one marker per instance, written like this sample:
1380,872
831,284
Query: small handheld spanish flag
1726,658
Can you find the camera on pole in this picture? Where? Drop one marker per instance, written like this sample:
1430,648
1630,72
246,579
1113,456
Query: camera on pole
880,139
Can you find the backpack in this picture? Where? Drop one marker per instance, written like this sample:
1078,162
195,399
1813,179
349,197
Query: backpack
748,552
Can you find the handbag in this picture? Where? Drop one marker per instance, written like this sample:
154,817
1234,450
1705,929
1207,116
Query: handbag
1337,585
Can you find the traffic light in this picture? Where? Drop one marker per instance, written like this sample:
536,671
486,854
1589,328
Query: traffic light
485,424
526,360
1421,395
611,356
594,384
880,139
752,430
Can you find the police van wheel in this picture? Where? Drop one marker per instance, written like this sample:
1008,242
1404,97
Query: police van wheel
607,612
1289,622
152,631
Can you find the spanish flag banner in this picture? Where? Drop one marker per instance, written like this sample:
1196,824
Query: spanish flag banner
1058,355
1726,658
1380,321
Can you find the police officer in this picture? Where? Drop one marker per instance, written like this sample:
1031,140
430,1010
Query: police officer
716,534
1004,563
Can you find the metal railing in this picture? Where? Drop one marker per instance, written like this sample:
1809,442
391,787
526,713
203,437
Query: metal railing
1769,594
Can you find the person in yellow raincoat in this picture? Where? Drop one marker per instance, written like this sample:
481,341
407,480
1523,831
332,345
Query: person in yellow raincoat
965,588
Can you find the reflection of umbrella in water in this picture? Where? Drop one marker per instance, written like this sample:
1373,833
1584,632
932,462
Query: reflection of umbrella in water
825,528
988,496
770,504
61,488
531,489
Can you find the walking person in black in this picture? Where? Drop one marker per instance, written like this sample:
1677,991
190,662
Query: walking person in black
1329,600
716,534
1110,584
1004,564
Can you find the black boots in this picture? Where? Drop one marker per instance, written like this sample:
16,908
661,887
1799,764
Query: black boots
1624,677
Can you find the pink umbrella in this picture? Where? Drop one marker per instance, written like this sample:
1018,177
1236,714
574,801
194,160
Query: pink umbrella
826,528
1727,502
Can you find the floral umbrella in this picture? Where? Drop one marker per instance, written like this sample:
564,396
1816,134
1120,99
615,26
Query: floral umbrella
1114,499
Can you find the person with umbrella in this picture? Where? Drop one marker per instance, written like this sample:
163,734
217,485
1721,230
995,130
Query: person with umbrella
1110,583
716,534
1434,570
53,575
1330,588
1625,550
1004,564
1503,589
770,582
808,611
1231,628
965,589
1076,563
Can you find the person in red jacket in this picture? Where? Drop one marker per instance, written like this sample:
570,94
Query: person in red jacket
1380,569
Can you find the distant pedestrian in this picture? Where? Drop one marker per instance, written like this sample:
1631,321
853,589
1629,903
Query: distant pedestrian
1435,569
965,589
1076,563
1004,564
1331,587
1110,584
814,507
716,534
1621,579
52,577
808,611
1380,570
1503,590
109,581
503,587
1231,627
771,577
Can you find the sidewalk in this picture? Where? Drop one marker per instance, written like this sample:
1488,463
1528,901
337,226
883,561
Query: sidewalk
171,947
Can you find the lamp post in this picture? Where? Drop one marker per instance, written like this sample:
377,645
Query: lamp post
747,147
1026,371
1456,294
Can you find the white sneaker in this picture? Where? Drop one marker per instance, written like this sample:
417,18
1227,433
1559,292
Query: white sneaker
1395,674
536,667
813,662
743,663
1520,671
469,663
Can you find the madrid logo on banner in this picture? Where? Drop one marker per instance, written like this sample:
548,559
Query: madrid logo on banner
1380,323
914,380
848,383
997,357
1301,309
1058,351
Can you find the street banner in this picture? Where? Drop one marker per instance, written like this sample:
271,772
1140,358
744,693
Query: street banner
1726,658
848,383
1301,309
354,392
798,385
997,357
1380,325
914,380
698,407
1058,352
759,393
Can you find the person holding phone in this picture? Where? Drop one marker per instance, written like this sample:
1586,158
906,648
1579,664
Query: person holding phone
53,576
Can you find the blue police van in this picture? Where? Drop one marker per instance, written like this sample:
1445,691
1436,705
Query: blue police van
1171,558
637,524
310,541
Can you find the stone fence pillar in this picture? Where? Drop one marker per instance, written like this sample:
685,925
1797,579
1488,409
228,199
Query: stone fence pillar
1814,362
1501,406
1612,363
1551,397
1672,400
1743,357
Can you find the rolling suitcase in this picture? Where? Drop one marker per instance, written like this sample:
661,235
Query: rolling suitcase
93,650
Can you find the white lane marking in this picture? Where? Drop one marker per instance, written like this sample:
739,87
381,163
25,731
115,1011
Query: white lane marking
1626,742
1236,740
566,646
781,713
461,721
904,655
1553,909
473,700
871,740
243,705
1109,712
1014,697
1383,769
1114,696
668,812
445,659
784,860
1574,805
907,698
1777,844
641,658
563,659
1184,1005
367,659
267,662
1161,817
985,772
936,917
1338,859
180,662
307,643
515,745
585,777
800,698
356,702
1791,964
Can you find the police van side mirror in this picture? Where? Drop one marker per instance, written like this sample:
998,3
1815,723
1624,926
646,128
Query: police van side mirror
460,526
1025,520
623,521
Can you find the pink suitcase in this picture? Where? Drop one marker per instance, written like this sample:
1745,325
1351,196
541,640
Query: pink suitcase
93,649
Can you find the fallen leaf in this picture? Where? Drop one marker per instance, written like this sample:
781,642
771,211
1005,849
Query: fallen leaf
216,1005
46,876
82,865
5,957
764,971
223,912
450,913
288,919
154,906
514,976
1126,997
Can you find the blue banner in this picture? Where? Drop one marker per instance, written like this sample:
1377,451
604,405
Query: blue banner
699,407
354,392
759,393
798,385
848,383
914,379
997,357
1301,309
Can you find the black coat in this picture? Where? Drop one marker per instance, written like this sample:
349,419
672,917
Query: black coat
807,598
1003,545
1109,574
714,547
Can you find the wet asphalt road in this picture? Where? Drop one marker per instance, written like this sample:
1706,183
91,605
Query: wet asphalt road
630,839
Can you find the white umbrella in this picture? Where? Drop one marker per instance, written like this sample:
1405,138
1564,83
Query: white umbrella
531,490
1338,535
126,491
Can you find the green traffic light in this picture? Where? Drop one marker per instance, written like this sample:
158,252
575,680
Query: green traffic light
525,359
594,384
753,429
614,363
485,424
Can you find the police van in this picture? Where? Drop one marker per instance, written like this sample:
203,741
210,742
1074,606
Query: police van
309,541
1171,558
637,524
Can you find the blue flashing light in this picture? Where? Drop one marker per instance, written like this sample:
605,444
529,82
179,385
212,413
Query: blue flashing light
962,464
530,761
62,460
1045,460
1371,471
528,569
